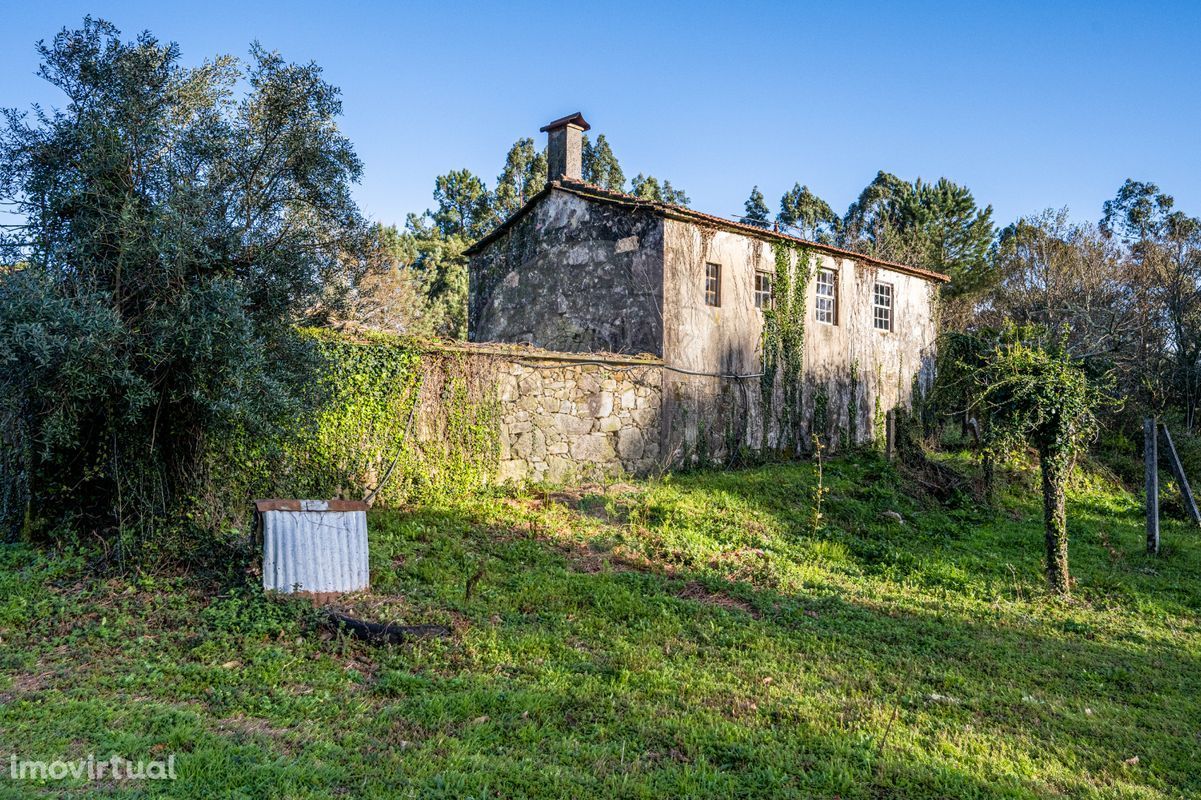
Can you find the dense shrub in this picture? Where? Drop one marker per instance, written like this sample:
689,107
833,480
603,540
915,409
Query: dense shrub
175,236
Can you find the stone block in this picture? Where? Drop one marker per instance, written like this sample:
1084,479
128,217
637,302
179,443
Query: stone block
593,447
588,383
609,425
511,471
645,417
507,386
572,425
601,404
559,469
628,398
630,444
521,447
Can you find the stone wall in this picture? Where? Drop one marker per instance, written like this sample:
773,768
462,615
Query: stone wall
565,420
558,417
571,275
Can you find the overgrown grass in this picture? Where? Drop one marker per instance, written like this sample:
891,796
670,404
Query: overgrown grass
689,637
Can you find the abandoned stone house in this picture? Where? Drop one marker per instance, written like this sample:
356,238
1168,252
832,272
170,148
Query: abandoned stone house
761,339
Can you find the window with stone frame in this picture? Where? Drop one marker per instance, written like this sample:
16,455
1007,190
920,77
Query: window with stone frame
882,306
713,285
827,296
763,296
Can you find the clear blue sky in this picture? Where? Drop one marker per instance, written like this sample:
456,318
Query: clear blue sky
1031,104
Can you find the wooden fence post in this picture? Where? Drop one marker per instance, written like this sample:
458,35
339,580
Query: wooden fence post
1151,465
1186,491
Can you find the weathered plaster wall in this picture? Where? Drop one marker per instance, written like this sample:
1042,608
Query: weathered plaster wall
573,276
851,363
579,275
889,365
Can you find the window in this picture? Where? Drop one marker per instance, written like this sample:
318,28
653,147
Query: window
763,297
713,284
827,296
882,306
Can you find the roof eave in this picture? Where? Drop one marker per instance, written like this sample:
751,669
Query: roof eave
683,214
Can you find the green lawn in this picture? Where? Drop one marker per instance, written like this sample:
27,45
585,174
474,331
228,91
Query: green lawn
689,637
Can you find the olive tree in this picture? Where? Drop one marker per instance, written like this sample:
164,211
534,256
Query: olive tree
178,223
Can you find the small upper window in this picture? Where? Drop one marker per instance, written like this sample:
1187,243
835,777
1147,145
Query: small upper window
882,306
763,297
713,284
827,296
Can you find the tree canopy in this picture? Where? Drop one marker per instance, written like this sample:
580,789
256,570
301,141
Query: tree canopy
179,223
648,187
757,212
524,174
600,166
809,215
1028,391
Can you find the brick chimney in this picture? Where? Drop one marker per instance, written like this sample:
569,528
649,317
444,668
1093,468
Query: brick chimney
565,147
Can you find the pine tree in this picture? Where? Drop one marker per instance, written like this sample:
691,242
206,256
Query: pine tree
811,216
523,176
757,212
464,204
935,225
600,165
647,187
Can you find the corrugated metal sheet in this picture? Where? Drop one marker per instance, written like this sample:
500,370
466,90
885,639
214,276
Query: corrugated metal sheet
314,549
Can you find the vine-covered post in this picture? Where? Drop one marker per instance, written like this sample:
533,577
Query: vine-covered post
1055,464
1151,467
1029,391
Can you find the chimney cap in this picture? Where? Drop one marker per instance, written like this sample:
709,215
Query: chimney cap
576,119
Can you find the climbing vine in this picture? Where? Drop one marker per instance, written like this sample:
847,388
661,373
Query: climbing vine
392,416
879,420
853,405
1029,392
784,343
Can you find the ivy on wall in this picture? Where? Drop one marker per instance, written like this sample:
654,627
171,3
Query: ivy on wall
388,406
784,344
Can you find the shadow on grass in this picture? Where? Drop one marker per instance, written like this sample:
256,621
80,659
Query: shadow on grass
1066,706
575,671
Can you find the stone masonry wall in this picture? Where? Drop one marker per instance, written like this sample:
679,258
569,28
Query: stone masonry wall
561,421
572,276
558,417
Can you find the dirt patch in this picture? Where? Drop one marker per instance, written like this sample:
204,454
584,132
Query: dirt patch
243,726
698,593
593,557
589,499
24,683
590,557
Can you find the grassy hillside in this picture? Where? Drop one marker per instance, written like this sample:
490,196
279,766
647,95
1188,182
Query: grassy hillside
690,637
